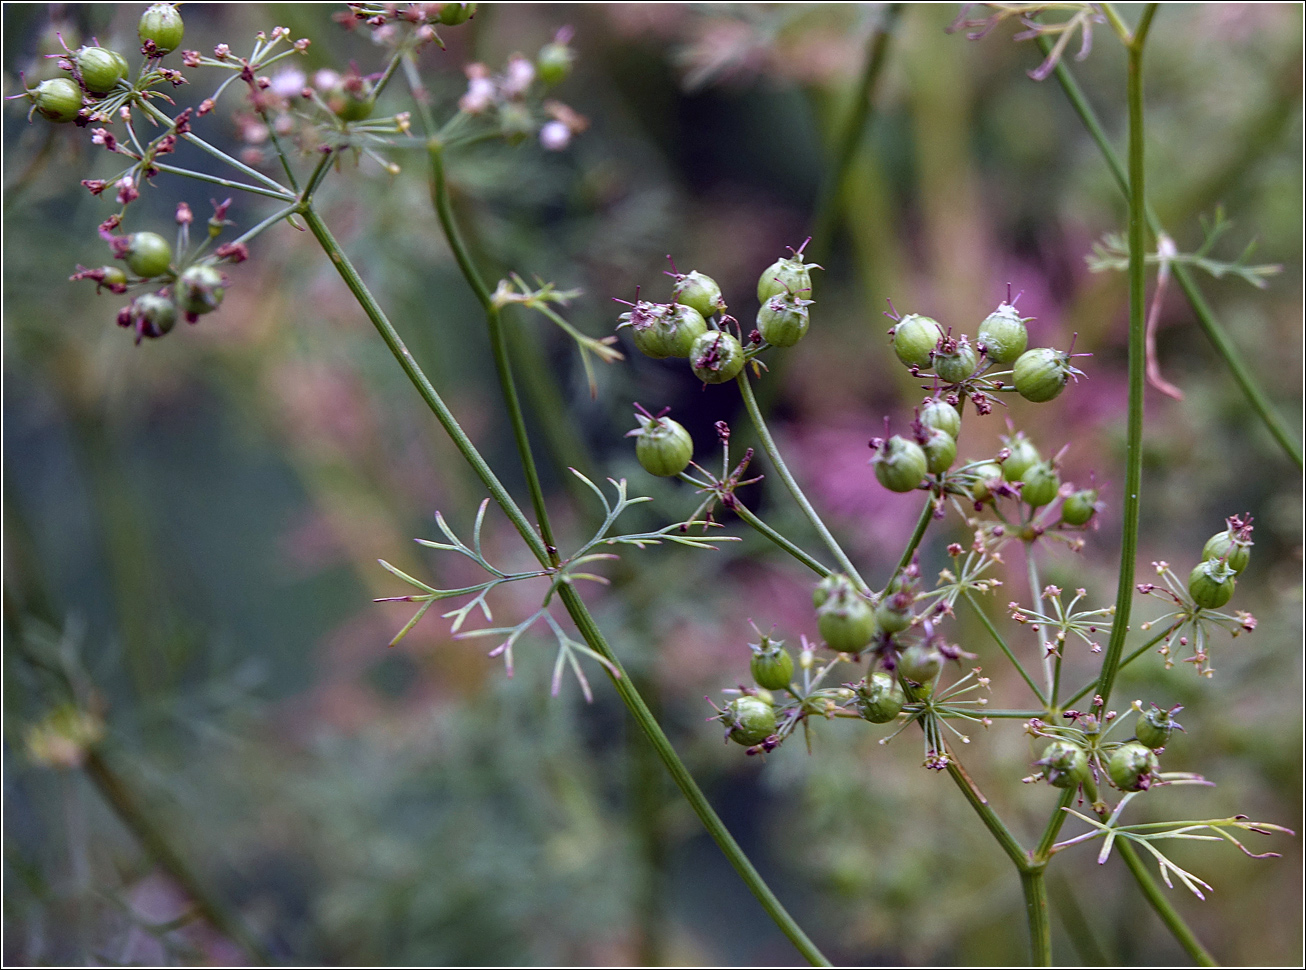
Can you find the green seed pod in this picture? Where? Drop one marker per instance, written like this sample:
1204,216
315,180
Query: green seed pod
1002,335
113,276
662,446
890,618
162,26
986,476
771,665
791,276
880,698
1041,374
453,14
148,254
940,450
200,290
1021,454
100,68
783,320
751,720
955,360
1133,767
1065,765
1154,727
58,100
1079,507
1229,546
150,315
920,664
662,329
828,587
914,339
352,98
700,292
1040,482
900,464
846,621
553,63
1211,584
716,357
937,413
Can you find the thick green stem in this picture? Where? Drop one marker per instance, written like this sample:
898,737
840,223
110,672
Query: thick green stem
1206,319
769,446
988,625
742,511
1169,915
1034,885
1137,362
151,837
1055,821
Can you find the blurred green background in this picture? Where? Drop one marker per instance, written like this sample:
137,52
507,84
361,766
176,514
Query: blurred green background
192,526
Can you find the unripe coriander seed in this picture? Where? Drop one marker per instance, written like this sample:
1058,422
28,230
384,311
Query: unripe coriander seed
716,357
1079,507
914,339
1040,482
1154,727
955,360
100,68
58,100
553,63
920,663
985,477
151,315
880,699
453,14
662,330
785,275
937,413
1041,374
1064,764
161,25
827,588
1021,454
1002,335
700,292
846,621
1224,545
751,720
771,665
1133,767
783,320
940,450
900,464
148,254
200,289
1211,584
663,447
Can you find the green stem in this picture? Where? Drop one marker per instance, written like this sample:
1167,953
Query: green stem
922,523
1206,319
1137,361
1034,885
151,837
1036,592
1123,664
266,224
993,632
225,183
1055,821
769,446
1169,915
850,134
216,152
742,511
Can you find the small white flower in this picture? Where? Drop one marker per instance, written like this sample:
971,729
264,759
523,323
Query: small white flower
555,136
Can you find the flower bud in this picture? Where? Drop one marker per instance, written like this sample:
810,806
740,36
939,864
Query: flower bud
100,68
58,100
750,720
783,320
920,663
846,621
1079,507
662,446
716,357
699,292
954,360
161,26
937,413
1039,484
1211,584
1041,374
663,330
1002,335
1154,727
880,698
148,254
771,665
914,339
1064,765
200,290
1133,767
900,464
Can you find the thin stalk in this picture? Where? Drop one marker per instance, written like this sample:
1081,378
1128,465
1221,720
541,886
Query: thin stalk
498,343
1055,821
990,818
1137,360
743,512
922,523
266,224
225,183
988,625
1036,592
419,380
1023,715
769,446
1123,664
151,837
216,152
1034,886
1169,915
1206,319
850,134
